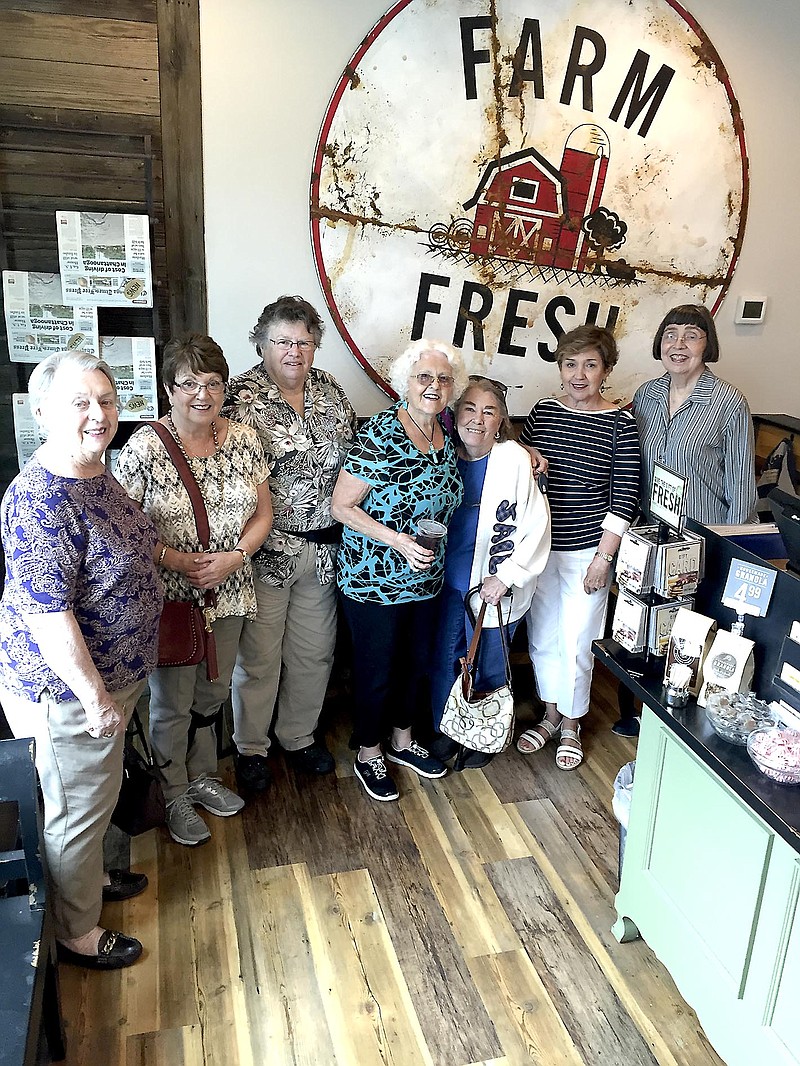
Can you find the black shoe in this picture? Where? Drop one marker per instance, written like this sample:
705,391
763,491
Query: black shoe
473,760
114,951
626,727
443,747
125,884
252,772
376,779
418,759
313,759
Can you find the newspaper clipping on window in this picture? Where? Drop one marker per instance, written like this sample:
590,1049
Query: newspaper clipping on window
39,321
105,258
133,362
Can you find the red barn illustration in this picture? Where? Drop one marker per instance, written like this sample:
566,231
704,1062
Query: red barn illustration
527,209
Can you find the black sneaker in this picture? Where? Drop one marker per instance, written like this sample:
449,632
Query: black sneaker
312,759
252,772
417,758
443,747
626,727
376,780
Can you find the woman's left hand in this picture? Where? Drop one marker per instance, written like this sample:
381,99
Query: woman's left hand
493,590
596,576
210,569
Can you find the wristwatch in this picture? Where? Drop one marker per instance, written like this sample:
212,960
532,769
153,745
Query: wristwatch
604,555
243,554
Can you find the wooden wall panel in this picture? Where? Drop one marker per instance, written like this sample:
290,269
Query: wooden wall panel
84,114
104,42
85,86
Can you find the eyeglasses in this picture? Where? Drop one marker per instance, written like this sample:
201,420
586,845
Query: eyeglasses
493,381
426,379
285,345
192,388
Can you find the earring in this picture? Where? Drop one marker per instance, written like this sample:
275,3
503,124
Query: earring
604,386
497,435
561,386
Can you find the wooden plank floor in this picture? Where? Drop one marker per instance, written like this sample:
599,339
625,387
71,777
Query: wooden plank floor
468,923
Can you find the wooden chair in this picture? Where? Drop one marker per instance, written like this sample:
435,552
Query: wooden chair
29,993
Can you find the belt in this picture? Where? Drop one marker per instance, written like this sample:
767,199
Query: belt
328,535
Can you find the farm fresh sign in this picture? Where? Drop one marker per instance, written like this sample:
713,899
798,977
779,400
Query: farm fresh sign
495,173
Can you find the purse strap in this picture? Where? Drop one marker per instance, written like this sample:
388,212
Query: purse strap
189,481
472,651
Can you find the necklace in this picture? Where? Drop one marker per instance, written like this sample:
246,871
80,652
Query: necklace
179,442
432,453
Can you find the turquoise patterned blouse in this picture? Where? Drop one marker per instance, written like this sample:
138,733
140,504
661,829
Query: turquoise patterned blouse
405,485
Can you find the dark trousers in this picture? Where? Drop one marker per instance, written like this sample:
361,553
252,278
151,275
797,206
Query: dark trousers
391,651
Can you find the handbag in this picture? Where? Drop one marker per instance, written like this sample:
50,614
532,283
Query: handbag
141,804
185,635
482,721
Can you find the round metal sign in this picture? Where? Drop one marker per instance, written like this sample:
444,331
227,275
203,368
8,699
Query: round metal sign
495,173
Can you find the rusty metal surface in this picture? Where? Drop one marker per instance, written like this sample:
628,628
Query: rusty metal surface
492,173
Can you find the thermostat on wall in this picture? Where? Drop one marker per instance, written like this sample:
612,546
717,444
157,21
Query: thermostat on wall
750,310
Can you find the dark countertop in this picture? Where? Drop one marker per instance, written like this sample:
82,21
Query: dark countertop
778,805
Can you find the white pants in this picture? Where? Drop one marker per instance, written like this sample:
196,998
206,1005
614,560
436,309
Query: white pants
80,777
562,623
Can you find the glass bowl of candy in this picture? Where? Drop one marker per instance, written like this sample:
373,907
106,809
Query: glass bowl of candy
734,715
776,752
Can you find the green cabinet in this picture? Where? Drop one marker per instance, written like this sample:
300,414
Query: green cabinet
713,889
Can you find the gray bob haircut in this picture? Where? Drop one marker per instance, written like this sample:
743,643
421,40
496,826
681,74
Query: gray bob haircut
43,373
402,367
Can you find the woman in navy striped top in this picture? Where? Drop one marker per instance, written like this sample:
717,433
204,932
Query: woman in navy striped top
593,482
696,424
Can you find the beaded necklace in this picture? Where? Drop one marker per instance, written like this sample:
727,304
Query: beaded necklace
179,442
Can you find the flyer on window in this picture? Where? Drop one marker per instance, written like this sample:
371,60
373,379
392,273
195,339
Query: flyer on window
39,321
27,434
133,362
105,258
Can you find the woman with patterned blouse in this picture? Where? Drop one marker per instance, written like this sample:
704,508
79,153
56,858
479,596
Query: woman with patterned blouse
593,481
401,468
305,424
228,463
78,637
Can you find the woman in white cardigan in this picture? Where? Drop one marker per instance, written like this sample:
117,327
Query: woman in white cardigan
498,541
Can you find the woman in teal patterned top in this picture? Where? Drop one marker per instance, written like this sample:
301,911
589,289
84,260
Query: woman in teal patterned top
401,468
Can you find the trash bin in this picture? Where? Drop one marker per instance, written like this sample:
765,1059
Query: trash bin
621,804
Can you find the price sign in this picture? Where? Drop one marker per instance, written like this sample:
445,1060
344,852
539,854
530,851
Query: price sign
748,588
666,496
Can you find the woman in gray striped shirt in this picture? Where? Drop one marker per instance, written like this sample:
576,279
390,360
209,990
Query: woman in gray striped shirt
696,424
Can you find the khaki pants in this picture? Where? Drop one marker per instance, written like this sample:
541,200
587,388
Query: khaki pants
285,657
80,777
178,692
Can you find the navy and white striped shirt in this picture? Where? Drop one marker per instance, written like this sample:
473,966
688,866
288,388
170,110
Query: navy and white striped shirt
709,440
578,446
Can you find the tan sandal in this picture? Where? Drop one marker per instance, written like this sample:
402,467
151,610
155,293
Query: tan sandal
569,754
532,741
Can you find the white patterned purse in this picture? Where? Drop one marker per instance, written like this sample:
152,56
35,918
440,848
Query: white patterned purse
481,721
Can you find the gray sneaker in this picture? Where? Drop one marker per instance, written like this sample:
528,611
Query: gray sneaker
184,823
212,794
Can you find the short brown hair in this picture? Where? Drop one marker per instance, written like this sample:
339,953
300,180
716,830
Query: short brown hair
287,309
487,385
197,352
690,315
582,337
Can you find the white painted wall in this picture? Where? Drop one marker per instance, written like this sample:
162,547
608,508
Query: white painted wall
268,70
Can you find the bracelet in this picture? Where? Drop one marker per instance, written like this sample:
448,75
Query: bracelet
161,556
245,556
604,555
